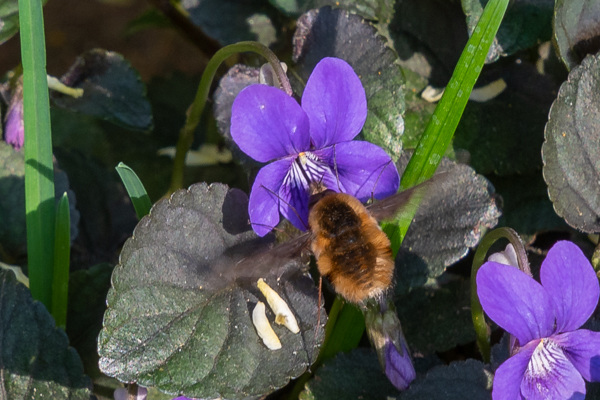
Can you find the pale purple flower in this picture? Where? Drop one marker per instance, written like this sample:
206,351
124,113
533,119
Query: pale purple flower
309,144
552,356
14,131
121,393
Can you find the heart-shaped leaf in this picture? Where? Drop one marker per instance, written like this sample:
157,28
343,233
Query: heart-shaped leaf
246,20
37,361
112,90
576,29
12,201
370,9
571,153
179,311
525,24
458,381
353,375
328,32
452,218
436,318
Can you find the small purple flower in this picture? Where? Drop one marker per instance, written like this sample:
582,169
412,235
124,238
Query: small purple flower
310,144
398,365
14,131
552,356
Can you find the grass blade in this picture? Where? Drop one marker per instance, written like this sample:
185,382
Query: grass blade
135,189
39,172
62,249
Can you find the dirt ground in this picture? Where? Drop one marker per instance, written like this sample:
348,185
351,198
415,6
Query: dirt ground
74,26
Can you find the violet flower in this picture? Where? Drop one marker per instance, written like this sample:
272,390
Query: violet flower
310,144
552,357
14,130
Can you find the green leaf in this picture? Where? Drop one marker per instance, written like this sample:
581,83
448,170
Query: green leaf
369,9
86,306
62,250
254,20
525,204
37,361
458,381
179,311
576,30
504,134
354,375
135,189
418,111
336,33
438,318
571,153
452,217
112,90
9,19
12,202
526,23
428,36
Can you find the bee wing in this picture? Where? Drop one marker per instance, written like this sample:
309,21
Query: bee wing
280,258
389,207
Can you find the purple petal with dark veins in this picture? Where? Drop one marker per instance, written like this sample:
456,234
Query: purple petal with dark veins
550,375
267,124
363,169
295,194
335,102
263,206
509,375
515,301
571,282
582,348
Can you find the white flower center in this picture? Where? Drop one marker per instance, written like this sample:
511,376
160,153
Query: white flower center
545,359
306,169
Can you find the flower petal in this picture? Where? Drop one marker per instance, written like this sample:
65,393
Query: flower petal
14,130
335,102
295,196
266,123
398,366
509,375
550,375
263,206
569,278
363,169
515,301
582,348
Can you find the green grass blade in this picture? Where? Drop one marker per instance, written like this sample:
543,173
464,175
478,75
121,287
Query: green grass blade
440,129
62,249
135,189
39,172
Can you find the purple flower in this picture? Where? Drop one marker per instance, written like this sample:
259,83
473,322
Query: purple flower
398,365
311,144
14,131
552,357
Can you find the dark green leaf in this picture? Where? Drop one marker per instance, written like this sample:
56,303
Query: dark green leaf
571,153
451,218
418,111
369,9
437,319
12,202
246,20
135,189
576,29
525,204
354,375
504,134
112,90
526,23
9,19
37,361
179,310
62,251
458,381
87,303
336,33
429,36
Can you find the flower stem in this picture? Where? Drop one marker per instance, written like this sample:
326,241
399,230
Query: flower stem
481,328
186,135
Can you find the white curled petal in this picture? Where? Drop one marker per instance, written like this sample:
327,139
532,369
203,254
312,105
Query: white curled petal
283,314
263,327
